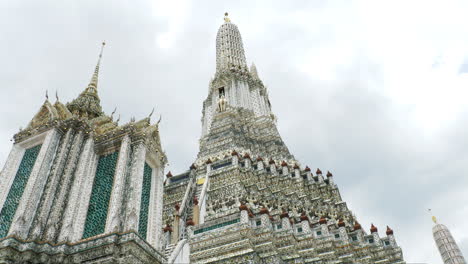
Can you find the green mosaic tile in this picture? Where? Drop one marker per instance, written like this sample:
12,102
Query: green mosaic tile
17,189
216,226
145,199
100,195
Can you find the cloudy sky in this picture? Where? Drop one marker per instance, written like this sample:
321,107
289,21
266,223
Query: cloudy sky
372,90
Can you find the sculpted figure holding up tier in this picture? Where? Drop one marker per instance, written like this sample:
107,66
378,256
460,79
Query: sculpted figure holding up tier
222,103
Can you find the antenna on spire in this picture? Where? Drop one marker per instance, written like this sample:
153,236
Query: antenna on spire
56,95
102,48
152,111
46,95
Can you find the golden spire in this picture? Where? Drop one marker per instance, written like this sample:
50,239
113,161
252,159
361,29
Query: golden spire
226,18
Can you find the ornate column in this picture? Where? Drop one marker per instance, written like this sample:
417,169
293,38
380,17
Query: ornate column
305,224
319,176
273,167
342,229
330,178
235,158
196,211
156,206
297,172
285,220
308,173
30,200
40,220
134,190
359,233
284,168
66,179
323,226
247,160
9,171
259,163
244,214
375,234
175,233
75,212
167,236
189,226
390,236
208,166
116,200
265,218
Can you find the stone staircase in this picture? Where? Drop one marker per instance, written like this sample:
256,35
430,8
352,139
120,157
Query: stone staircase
197,193
168,250
198,190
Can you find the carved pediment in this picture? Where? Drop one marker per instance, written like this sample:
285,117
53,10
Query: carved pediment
62,111
46,113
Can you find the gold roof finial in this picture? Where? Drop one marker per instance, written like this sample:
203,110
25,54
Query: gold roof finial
226,18
434,219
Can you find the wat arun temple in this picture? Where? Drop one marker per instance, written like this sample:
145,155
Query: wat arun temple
78,187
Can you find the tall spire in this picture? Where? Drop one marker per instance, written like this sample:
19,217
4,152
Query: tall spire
229,49
92,86
88,103
448,248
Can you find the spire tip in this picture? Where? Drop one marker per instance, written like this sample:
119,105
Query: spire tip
102,48
226,18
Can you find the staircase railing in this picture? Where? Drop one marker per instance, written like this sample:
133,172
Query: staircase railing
186,203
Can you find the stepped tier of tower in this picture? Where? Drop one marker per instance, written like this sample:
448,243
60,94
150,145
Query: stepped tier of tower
240,129
266,211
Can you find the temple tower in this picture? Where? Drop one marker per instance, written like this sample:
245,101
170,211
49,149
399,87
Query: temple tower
447,246
78,179
237,111
246,199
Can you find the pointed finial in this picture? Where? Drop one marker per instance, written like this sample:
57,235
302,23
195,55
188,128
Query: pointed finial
152,111
113,112
56,95
46,95
118,119
226,18
160,116
253,71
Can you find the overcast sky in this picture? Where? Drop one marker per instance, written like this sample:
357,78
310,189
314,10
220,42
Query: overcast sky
373,91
